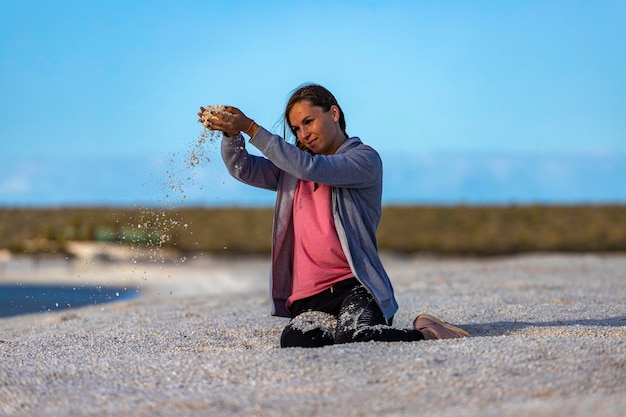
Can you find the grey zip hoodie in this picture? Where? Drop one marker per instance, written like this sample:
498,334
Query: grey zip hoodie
355,174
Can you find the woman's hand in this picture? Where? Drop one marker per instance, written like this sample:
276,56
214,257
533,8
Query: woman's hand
229,121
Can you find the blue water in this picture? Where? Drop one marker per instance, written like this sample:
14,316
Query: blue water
26,298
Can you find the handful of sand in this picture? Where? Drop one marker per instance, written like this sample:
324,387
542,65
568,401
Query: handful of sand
210,112
198,153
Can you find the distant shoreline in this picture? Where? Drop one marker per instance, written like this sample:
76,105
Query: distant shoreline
438,230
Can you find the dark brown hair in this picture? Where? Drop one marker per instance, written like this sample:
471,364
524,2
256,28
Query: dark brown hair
317,96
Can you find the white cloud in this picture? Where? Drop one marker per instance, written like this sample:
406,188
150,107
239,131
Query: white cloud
15,185
430,177
504,177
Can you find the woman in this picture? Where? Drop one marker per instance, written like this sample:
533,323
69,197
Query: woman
326,274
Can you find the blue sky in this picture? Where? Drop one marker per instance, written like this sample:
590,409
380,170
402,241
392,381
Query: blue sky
93,91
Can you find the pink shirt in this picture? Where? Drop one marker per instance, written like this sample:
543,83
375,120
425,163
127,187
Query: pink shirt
319,261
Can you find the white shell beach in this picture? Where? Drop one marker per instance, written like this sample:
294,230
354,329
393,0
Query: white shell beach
549,339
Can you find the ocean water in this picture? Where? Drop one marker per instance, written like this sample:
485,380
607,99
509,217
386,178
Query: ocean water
19,299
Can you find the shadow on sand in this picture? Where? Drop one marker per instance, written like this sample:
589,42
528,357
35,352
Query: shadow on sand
502,328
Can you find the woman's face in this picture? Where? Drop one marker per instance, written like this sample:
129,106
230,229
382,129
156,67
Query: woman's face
318,130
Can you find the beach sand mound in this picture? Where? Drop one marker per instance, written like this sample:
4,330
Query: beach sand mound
549,339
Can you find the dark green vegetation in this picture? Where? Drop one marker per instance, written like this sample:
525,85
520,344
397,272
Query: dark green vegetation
443,230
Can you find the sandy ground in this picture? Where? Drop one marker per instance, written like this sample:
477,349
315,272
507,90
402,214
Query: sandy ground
549,339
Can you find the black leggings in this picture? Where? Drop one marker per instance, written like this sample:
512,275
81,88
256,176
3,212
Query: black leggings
343,314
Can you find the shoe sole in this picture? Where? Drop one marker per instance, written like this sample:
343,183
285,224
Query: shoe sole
443,323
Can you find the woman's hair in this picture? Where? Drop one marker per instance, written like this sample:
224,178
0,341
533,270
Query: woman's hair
317,96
